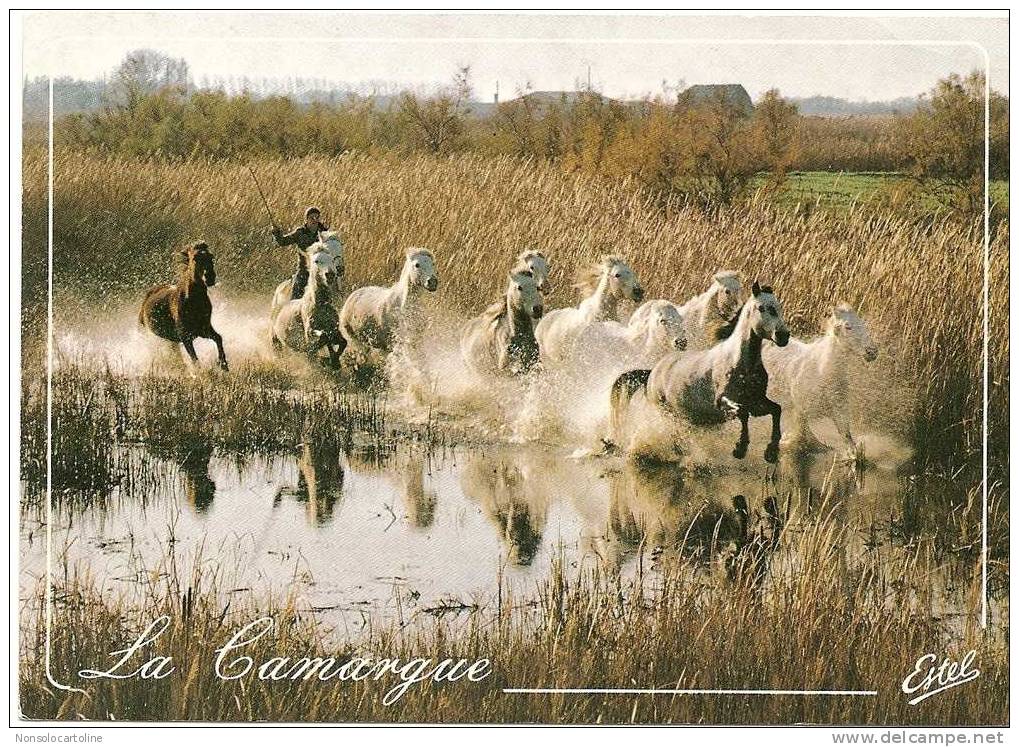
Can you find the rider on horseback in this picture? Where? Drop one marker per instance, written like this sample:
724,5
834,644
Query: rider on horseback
303,236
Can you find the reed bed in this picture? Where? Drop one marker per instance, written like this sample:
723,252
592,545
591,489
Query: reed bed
117,221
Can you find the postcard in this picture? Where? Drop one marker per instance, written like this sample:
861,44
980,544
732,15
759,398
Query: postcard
518,368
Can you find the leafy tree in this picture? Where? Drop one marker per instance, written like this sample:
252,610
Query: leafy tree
775,128
439,123
946,141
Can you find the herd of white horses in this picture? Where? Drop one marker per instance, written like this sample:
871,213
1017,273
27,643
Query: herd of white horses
704,361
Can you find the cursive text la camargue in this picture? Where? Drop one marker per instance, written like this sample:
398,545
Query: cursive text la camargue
232,663
927,678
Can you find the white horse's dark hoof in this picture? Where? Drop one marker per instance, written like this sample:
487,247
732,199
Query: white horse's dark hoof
771,453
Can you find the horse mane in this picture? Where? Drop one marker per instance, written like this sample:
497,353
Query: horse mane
412,250
589,276
528,253
494,312
184,266
725,331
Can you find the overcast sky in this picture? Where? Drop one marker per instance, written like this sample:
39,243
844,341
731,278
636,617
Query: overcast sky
628,55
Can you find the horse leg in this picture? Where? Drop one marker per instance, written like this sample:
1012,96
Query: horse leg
217,338
841,420
189,345
767,407
744,433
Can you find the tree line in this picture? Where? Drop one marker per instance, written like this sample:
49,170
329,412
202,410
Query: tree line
702,150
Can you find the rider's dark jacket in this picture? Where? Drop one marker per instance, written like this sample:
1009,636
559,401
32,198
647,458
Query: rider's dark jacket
303,237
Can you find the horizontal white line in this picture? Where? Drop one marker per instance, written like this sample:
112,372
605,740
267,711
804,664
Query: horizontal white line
652,691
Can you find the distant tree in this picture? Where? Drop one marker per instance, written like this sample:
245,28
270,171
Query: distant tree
438,124
144,72
946,141
775,128
718,154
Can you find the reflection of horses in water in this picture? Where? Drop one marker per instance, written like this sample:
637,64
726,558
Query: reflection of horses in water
502,485
199,487
191,461
663,511
407,481
319,483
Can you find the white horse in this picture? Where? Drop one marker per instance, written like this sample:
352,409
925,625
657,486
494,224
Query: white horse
656,329
328,242
537,263
606,284
706,313
310,323
501,340
373,318
814,376
707,387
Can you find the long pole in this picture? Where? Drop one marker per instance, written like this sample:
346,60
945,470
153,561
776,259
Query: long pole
261,194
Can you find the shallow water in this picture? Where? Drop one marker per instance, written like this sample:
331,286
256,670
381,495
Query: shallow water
438,533
417,531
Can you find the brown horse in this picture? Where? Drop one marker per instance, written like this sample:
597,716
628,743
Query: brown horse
182,312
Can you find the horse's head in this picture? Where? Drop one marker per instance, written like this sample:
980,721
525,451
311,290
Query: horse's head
523,292
537,263
766,315
329,241
622,281
322,269
728,292
199,263
420,266
667,324
849,329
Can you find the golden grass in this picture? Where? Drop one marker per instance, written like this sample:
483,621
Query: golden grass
117,221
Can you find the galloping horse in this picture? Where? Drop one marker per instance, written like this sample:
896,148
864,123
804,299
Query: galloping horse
606,284
329,242
815,375
373,317
704,314
656,329
537,263
709,386
311,323
501,340
183,312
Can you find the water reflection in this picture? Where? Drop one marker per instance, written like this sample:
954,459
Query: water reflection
445,525
511,498
199,487
319,486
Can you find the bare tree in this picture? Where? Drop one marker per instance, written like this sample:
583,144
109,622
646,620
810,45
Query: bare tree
144,72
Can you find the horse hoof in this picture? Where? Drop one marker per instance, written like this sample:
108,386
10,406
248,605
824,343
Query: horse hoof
740,451
771,453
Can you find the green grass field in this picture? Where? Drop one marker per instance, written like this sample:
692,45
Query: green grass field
843,190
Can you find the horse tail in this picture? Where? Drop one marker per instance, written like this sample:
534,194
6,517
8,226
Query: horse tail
623,388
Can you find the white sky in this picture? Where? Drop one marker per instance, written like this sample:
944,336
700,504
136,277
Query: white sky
550,52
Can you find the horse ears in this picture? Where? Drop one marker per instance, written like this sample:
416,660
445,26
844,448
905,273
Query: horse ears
756,289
